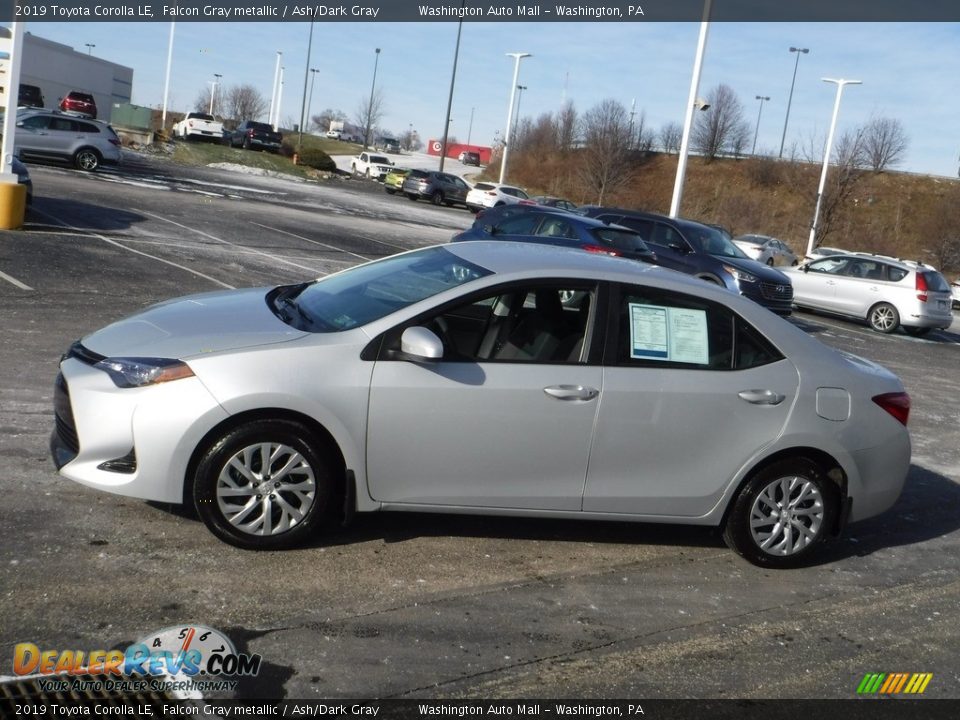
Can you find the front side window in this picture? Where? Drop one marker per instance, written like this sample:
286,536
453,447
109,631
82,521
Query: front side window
37,122
661,328
545,323
830,266
366,293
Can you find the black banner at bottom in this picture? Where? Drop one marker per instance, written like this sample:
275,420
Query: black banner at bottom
783,709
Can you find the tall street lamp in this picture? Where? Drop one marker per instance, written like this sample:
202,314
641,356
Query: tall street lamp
798,51
166,82
516,120
273,93
90,47
513,95
762,99
313,77
373,85
692,104
213,92
826,155
453,79
306,75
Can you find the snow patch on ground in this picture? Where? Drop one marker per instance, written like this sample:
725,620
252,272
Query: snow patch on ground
247,170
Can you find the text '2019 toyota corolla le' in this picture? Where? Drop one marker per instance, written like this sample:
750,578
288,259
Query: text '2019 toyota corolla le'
485,378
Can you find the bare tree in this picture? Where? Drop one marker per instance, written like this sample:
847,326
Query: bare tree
605,162
719,129
643,137
410,140
884,143
202,104
369,112
940,230
244,102
323,120
670,136
566,127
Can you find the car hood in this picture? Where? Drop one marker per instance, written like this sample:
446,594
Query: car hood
762,271
194,325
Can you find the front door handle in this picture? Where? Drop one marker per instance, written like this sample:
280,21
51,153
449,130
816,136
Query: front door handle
571,392
761,397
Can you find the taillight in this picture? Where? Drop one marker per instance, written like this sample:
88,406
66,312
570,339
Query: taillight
601,250
250,132
922,287
114,141
896,403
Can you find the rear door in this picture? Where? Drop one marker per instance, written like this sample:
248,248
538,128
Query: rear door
690,393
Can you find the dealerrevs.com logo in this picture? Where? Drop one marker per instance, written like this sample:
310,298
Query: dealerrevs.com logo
894,683
183,653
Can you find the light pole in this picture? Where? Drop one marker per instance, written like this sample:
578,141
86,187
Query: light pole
276,122
798,51
692,104
166,82
273,93
470,130
826,154
513,94
373,85
516,120
213,90
762,99
90,47
306,75
453,78
313,77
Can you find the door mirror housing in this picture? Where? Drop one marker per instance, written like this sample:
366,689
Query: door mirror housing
419,344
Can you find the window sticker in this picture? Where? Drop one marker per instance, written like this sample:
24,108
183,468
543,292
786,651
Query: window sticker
668,333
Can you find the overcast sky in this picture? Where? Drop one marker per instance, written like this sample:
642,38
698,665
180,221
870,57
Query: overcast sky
909,71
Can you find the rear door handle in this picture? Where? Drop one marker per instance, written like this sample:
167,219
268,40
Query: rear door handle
571,392
761,397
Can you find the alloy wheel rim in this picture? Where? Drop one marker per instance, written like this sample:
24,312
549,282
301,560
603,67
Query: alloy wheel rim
266,489
787,516
883,318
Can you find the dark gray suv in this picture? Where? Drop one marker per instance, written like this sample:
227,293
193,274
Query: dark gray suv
697,249
437,187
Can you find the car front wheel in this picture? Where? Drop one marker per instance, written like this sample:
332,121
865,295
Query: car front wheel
782,515
87,159
883,317
264,486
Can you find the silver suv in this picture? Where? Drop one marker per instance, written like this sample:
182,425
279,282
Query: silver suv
886,292
51,135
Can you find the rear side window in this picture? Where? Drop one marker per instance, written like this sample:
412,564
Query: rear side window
665,329
621,239
935,281
483,186
87,127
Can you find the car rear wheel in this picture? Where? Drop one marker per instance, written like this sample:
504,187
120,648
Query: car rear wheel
783,514
883,317
264,485
437,198
86,159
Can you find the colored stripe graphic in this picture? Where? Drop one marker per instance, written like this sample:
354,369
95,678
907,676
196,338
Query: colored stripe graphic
894,683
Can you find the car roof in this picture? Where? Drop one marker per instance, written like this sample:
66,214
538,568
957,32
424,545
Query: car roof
507,257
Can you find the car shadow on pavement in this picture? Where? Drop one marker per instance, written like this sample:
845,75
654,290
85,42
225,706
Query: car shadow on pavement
46,213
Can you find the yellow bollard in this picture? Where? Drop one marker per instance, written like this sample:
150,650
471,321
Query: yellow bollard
13,205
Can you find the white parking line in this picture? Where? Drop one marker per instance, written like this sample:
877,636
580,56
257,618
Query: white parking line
13,281
315,242
243,248
107,240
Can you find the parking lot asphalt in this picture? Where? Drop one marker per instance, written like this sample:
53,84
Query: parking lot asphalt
428,606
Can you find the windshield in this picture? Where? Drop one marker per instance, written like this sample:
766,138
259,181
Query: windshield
708,240
369,292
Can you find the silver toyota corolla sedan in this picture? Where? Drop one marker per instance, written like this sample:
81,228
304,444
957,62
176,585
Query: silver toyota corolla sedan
485,378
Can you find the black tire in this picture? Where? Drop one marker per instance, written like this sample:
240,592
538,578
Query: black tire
916,331
390,190
812,503
437,198
217,475
770,262
884,318
86,159
413,196
367,174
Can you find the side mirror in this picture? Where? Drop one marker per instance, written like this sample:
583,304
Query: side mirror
489,229
421,344
805,268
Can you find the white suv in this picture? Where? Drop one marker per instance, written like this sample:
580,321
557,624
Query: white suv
489,194
886,292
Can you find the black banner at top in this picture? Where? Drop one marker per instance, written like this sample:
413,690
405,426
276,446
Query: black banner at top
476,11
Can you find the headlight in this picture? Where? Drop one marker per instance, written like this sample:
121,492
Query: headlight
739,274
138,372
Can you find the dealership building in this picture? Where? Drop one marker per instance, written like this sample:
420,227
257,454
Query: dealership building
57,69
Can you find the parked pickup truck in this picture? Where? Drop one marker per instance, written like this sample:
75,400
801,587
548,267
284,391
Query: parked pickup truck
372,166
251,134
199,125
